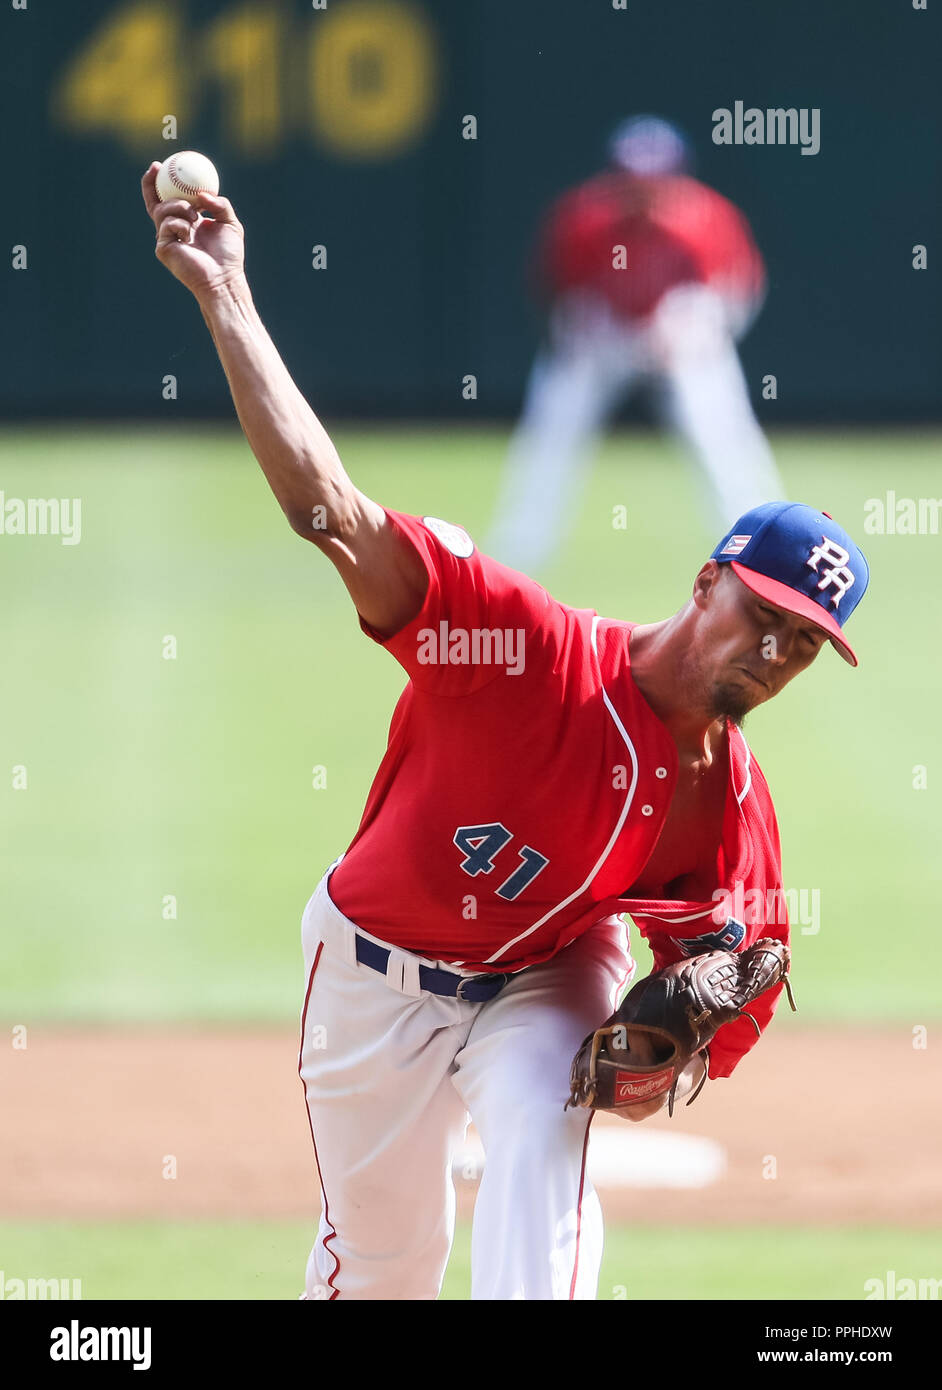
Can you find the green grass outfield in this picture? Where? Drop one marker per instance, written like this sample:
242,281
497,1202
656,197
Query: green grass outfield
192,778
265,1260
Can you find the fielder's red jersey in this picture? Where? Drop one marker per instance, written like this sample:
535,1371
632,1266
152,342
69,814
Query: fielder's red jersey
674,229
525,782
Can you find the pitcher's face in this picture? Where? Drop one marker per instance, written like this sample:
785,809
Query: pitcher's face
745,649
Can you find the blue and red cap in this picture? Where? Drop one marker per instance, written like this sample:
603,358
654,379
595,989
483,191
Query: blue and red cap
799,559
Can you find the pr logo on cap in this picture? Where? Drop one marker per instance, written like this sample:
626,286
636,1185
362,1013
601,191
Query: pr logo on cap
840,575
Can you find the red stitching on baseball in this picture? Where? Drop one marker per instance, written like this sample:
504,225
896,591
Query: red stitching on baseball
183,187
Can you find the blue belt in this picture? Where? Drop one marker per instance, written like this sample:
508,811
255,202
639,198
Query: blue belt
473,989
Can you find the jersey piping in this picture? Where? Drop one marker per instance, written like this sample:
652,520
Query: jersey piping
618,826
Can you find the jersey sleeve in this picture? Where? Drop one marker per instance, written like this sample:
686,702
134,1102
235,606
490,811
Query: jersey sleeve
765,912
758,908
479,619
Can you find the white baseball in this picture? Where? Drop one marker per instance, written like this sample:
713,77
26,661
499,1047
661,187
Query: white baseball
186,174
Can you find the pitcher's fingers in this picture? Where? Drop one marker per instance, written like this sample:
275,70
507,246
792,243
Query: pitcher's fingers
176,207
220,209
149,187
174,229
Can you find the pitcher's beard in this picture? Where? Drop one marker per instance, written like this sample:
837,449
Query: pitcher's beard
699,687
731,702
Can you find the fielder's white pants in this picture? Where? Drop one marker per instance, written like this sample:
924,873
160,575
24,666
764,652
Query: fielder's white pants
391,1076
687,349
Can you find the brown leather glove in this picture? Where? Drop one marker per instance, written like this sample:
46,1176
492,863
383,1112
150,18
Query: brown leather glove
666,1019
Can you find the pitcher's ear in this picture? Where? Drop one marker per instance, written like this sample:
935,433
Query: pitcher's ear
705,584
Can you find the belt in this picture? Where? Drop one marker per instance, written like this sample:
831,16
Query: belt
473,989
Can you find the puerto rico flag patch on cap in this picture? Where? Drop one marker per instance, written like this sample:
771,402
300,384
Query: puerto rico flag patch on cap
735,545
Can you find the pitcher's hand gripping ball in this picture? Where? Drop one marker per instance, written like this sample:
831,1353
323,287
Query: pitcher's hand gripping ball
186,175
666,1019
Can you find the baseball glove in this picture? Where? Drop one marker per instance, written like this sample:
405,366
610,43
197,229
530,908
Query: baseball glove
666,1019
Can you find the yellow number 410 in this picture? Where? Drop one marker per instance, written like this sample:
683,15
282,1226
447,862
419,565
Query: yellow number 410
360,79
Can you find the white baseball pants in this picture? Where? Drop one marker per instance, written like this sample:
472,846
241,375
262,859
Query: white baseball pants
392,1075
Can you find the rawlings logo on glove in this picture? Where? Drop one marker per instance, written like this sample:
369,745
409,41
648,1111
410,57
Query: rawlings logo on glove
667,1019
630,1086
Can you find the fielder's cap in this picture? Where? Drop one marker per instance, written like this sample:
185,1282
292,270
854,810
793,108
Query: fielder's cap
799,559
648,145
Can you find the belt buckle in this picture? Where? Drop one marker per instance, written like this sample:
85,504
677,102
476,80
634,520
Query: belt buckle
474,979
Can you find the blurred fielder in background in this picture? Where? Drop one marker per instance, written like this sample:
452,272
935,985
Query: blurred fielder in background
650,277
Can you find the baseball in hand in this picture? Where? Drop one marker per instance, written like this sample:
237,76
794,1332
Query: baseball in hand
186,175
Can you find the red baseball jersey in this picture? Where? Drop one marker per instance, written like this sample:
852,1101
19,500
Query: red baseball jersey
675,231
525,783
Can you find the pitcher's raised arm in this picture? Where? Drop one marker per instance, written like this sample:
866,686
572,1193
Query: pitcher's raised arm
203,246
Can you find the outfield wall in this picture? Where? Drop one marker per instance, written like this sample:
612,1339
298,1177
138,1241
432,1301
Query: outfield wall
342,125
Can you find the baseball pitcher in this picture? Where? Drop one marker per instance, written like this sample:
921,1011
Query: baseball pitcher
548,771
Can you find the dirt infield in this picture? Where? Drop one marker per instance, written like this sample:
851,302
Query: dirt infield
97,1122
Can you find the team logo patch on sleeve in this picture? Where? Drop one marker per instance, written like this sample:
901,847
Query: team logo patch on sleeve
730,938
453,538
